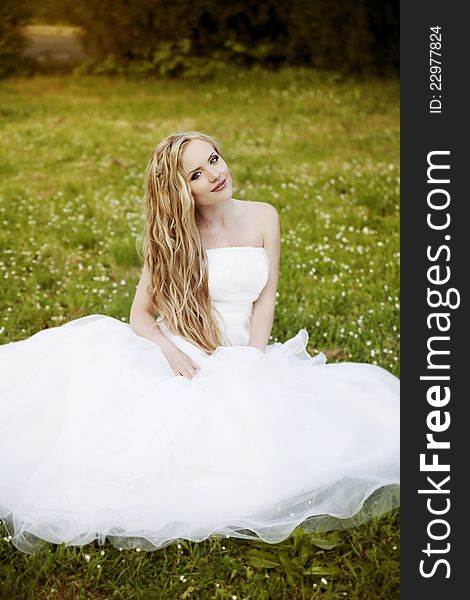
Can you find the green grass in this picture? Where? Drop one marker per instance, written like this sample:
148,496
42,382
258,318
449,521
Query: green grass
325,152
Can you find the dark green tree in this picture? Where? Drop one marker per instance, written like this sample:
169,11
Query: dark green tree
351,37
14,15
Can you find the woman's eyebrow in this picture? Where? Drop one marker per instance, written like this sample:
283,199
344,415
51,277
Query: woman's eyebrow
208,158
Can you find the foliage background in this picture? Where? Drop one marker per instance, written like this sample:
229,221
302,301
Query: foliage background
146,37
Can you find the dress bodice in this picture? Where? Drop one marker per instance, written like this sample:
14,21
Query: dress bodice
237,276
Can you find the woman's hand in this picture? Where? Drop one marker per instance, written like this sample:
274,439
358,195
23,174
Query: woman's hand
180,362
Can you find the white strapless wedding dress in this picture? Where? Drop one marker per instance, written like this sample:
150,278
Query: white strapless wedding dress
100,440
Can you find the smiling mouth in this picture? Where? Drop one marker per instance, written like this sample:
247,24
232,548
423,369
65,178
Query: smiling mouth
220,186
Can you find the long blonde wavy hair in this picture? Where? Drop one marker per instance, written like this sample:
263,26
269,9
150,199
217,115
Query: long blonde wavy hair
172,248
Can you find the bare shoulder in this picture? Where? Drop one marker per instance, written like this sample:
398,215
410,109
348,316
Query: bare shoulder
262,211
267,217
265,209
263,218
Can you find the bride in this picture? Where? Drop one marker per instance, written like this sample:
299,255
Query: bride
191,424
190,212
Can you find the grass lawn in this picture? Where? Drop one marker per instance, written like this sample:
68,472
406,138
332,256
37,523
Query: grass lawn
325,152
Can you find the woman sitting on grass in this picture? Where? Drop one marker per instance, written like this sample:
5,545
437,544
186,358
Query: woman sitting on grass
191,424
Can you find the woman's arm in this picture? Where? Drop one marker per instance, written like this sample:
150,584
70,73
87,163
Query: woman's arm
263,308
143,323
142,312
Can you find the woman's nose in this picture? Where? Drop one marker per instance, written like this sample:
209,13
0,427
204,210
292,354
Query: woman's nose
214,173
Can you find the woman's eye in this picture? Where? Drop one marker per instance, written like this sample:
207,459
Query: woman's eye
212,160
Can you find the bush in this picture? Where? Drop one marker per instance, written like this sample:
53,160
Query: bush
185,37
14,15
167,60
360,37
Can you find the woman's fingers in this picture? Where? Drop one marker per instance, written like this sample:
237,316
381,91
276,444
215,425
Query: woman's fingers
191,367
189,370
192,370
181,363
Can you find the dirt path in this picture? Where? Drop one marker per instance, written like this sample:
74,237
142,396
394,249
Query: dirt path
54,43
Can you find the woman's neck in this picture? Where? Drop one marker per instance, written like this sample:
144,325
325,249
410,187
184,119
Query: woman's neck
216,216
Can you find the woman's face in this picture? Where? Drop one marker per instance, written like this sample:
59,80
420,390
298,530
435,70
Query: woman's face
207,173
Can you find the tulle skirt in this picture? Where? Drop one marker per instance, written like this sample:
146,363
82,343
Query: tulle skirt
101,441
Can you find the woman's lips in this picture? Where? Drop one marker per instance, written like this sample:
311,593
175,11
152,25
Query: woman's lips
220,186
